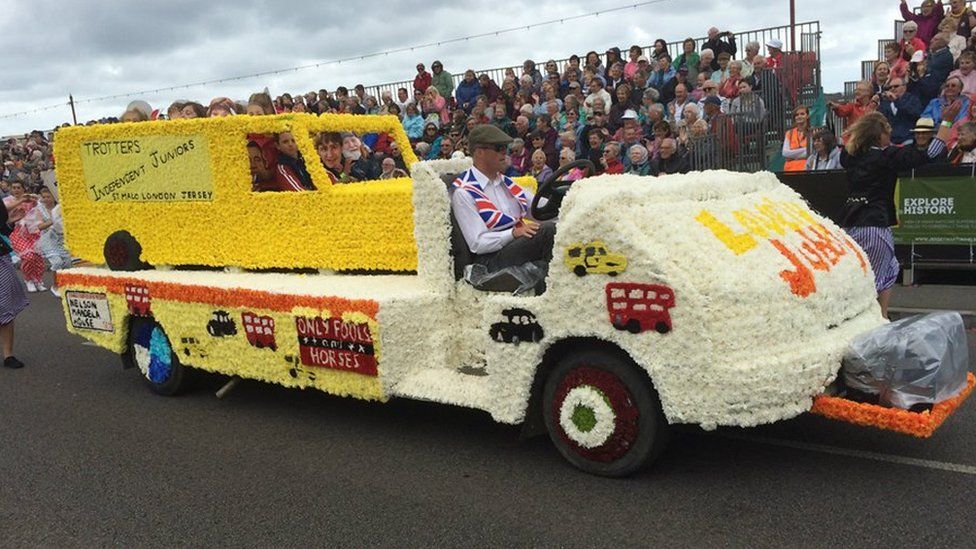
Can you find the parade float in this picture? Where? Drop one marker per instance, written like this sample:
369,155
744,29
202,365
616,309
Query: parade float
715,298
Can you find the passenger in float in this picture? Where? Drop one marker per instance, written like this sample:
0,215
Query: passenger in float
291,173
133,116
328,145
175,110
493,211
397,156
194,110
221,106
262,175
872,165
390,170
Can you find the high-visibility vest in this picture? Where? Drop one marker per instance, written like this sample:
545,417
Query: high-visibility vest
797,140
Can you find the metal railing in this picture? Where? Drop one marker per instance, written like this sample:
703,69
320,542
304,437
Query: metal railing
809,43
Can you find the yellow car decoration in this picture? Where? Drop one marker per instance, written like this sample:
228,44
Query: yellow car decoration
593,258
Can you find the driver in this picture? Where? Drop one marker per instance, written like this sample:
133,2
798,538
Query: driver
493,211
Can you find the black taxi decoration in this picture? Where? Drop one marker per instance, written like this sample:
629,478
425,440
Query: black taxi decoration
520,325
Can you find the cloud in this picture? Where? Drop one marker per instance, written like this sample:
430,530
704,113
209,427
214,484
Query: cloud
106,47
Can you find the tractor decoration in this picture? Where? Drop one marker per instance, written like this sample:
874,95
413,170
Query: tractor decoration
520,325
221,325
593,258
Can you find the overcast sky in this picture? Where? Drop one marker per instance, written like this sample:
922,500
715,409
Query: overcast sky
104,47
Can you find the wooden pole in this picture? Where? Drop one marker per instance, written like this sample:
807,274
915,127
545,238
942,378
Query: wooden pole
792,25
74,117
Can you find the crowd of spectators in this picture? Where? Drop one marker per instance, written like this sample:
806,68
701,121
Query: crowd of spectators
923,73
38,233
626,112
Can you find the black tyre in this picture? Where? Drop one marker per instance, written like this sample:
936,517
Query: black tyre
603,414
633,326
662,327
579,270
150,350
122,252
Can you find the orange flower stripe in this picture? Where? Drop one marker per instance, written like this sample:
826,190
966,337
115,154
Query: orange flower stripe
222,297
921,425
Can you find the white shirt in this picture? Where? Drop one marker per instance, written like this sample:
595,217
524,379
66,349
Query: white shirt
480,239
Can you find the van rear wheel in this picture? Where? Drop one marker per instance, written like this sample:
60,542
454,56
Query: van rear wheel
603,414
150,350
122,252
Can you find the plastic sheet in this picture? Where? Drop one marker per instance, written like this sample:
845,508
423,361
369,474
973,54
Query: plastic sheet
517,280
920,360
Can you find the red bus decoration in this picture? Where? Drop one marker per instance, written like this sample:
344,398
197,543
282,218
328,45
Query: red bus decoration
138,300
260,330
337,344
640,307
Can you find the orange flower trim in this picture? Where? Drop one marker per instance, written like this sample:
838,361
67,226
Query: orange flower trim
222,297
921,425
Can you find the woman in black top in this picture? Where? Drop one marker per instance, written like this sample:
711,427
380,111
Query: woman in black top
13,297
872,165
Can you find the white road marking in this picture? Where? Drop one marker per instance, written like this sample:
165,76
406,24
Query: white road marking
862,454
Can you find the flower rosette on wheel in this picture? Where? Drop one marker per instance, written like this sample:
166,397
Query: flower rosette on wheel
598,416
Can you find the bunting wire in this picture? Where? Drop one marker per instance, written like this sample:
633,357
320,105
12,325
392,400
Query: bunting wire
339,61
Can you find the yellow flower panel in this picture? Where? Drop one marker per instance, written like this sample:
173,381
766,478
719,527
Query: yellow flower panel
351,226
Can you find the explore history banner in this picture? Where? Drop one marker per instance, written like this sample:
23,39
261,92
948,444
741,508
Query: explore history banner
935,210
156,168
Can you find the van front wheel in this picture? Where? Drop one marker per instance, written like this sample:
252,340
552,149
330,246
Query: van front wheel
603,414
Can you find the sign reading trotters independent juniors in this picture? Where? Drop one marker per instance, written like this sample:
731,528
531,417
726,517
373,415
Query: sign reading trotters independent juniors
936,210
155,168
337,344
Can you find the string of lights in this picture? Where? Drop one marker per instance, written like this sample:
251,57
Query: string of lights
339,61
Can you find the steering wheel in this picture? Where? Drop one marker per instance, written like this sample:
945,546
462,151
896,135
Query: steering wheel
554,189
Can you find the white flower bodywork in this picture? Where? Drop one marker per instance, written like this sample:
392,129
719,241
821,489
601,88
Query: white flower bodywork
744,349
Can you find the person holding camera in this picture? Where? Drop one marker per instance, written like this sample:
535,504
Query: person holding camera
901,109
720,42
863,103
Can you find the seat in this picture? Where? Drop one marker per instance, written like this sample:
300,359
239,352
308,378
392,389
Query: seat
501,282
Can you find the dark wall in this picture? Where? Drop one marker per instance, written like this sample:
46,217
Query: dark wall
826,192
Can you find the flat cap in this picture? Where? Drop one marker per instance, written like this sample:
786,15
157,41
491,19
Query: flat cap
486,134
